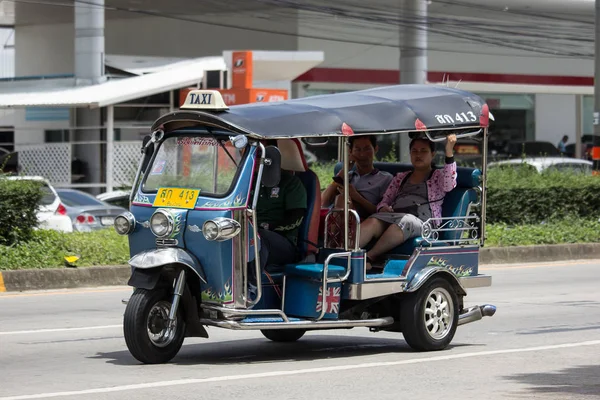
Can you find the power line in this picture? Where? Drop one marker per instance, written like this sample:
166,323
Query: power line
447,26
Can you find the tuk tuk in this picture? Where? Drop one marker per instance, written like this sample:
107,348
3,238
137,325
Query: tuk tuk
193,230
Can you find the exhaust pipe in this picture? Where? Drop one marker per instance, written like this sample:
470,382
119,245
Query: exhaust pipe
476,313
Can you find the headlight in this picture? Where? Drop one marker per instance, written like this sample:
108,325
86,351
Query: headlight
161,223
220,229
124,223
210,230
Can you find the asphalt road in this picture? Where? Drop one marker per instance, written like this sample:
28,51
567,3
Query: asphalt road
544,342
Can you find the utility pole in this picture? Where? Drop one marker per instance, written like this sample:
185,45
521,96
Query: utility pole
596,148
413,53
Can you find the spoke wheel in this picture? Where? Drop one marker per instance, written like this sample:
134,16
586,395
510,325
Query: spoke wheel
429,317
146,327
438,313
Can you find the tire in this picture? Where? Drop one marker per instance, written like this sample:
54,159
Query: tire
430,330
142,306
283,335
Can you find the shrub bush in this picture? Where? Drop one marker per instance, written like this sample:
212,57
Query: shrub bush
522,196
19,201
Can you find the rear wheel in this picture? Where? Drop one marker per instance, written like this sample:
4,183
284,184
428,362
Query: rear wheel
146,327
283,335
429,317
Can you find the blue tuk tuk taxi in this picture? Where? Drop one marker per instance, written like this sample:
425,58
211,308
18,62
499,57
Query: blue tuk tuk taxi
193,231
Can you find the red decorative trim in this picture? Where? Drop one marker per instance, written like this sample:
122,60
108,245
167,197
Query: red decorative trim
419,125
347,130
484,118
391,77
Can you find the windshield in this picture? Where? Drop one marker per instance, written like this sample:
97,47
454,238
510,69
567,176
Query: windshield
75,198
194,162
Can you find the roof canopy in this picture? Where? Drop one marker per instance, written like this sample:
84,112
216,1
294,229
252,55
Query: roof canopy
390,109
157,76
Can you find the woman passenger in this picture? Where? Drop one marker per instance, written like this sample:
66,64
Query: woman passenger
412,198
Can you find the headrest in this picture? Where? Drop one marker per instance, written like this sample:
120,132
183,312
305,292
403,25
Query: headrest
292,155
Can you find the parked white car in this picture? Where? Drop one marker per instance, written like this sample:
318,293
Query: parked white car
51,213
548,163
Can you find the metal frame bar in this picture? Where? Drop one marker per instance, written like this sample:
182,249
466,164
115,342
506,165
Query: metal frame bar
243,312
250,303
484,185
305,324
462,226
346,191
327,281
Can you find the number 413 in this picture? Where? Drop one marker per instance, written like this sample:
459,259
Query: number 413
460,117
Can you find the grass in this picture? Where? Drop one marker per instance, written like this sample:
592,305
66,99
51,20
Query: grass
48,249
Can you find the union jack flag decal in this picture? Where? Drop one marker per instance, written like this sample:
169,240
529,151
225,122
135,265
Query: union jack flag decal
332,295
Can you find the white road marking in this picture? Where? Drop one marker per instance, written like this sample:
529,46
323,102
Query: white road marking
261,375
83,328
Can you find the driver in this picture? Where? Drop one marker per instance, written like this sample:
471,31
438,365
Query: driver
280,211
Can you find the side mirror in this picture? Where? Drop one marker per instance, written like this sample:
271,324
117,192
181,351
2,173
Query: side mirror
272,169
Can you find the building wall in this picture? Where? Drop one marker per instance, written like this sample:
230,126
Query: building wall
49,49
555,116
445,53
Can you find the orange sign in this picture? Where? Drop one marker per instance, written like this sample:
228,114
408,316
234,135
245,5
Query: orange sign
241,70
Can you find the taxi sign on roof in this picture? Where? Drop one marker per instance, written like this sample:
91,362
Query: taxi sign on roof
204,100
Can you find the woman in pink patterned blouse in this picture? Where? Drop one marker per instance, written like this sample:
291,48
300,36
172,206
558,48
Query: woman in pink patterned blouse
411,199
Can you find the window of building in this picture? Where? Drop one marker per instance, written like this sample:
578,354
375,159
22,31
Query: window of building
56,135
514,116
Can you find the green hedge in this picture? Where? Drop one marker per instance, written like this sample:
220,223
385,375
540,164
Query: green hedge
18,206
520,196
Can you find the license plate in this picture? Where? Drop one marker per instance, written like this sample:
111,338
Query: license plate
175,197
107,220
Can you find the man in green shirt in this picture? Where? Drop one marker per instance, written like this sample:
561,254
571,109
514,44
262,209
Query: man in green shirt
280,212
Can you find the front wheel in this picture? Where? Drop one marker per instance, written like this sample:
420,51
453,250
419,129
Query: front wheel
146,327
429,317
283,335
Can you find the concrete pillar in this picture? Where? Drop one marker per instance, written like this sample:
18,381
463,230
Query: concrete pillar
89,42
110,147
89,70
413,52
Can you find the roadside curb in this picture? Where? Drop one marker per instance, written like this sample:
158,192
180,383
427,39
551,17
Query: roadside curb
67,278
530,254
63,278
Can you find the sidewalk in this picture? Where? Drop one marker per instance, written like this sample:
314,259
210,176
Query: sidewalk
63,278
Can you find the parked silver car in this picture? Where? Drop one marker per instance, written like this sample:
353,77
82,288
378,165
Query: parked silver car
87,212
563,164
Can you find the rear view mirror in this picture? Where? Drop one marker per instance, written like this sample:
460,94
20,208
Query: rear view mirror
316,141
272,169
